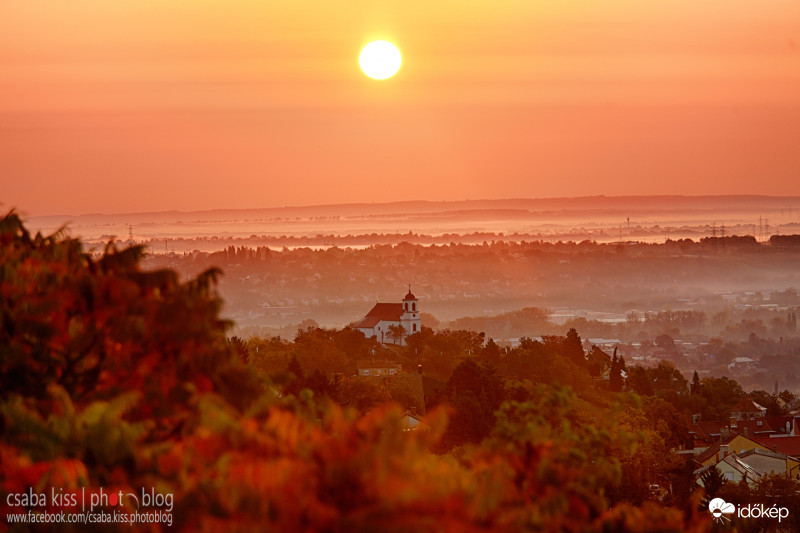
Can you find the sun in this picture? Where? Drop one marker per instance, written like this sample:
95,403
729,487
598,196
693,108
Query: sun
380,60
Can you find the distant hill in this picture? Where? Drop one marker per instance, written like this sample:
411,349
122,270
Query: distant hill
581,203
464,216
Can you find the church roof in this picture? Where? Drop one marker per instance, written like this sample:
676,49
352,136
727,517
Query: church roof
409,296
388,312
367,322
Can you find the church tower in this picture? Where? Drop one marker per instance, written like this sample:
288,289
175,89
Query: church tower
410,318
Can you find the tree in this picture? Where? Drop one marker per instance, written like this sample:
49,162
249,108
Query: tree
95,326
765,399
787,396
491,352
396,332
319,384
573,348
651,460
316,349
598,361
639,381
363,393
615,374
783,492
470,342
295,368
569,347
719,395
666,342
240,347
694,388
419,340
712,481
666,379
476,392
296,375
528,360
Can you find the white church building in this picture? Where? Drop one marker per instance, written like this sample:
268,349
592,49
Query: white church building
376,323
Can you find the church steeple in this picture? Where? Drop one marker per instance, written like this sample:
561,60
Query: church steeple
410,302
410,319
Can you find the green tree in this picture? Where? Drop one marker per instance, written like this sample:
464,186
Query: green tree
639,381
569,347
95,326
712,481
598,361
475,392
665,342
694,388
573,348
363,393
417,342
491,352
783,492
766,399
719,395
296,376
396,333
529,360
615,374
667,379
316,349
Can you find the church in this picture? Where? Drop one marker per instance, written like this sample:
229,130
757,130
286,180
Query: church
377,322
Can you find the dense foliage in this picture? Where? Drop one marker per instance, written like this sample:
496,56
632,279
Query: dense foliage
119,378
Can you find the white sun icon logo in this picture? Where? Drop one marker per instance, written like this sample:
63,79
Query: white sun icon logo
720,507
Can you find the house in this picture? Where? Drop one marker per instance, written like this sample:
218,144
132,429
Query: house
704,433
782,425
788,445
743,364
379,368
748,410
730,442
752,465
732,469
412,422
383,320
758,427
735,444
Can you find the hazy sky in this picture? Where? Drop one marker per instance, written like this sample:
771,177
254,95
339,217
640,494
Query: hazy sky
114,106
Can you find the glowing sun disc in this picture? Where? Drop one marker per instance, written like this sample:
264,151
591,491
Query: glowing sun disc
380,60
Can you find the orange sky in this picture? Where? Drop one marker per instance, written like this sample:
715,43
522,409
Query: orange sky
198,104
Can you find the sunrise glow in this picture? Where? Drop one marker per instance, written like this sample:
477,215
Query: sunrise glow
400,265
